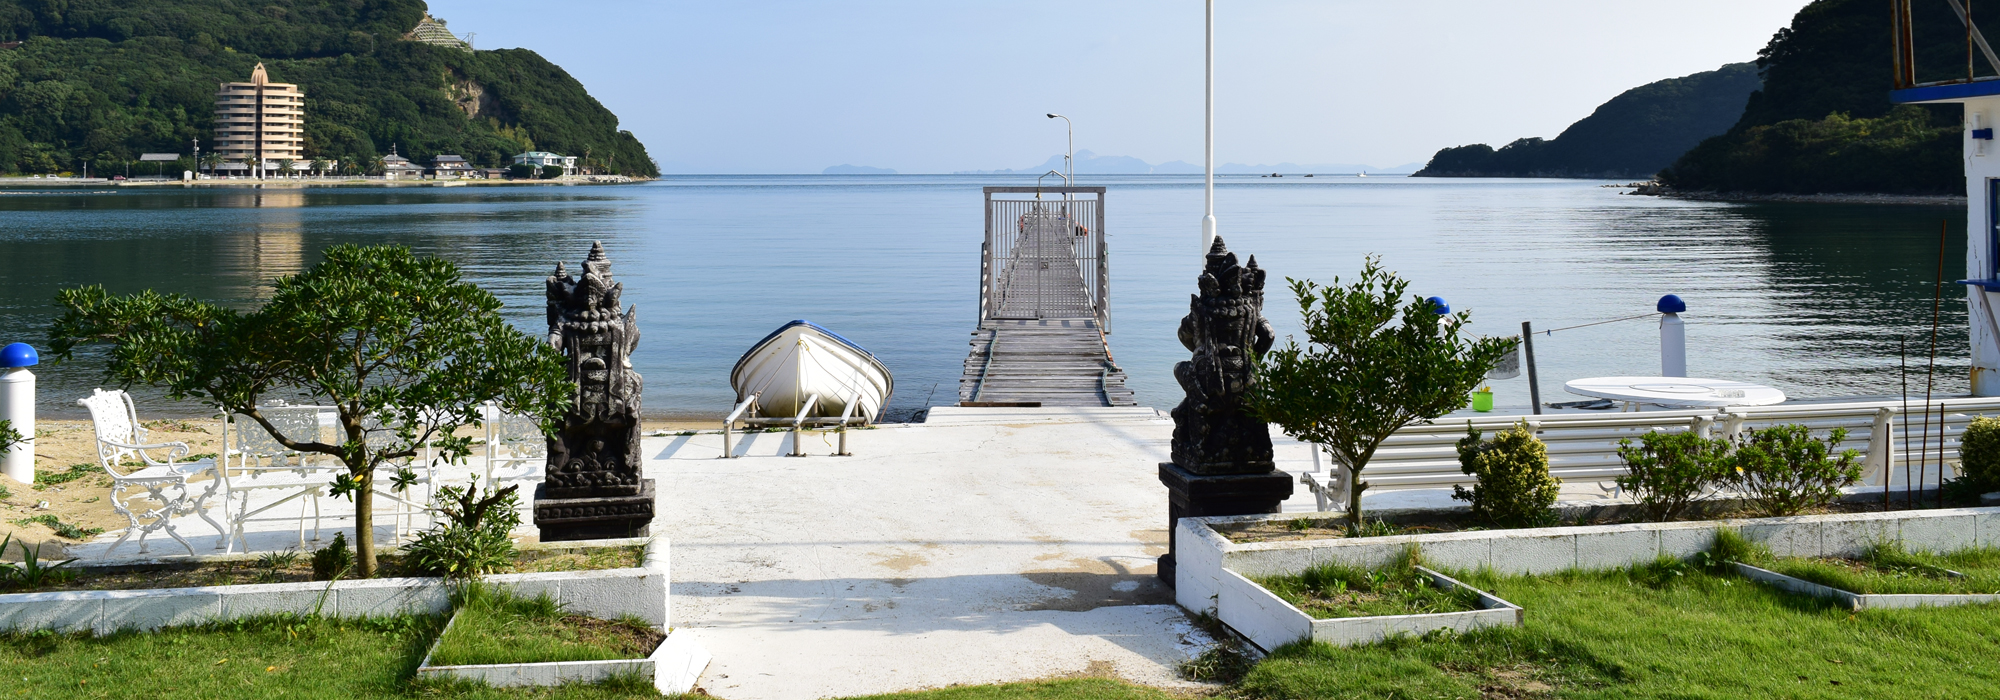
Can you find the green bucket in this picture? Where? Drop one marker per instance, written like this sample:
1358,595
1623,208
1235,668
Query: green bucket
1482,401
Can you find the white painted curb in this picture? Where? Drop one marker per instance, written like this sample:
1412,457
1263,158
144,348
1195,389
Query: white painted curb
1861,601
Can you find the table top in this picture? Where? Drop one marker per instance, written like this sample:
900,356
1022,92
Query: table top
1692,392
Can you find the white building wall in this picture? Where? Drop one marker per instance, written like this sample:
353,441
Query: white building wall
1982,164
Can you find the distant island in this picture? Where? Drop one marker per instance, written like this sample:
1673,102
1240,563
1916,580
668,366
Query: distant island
857,170
1088,163
102,83
1632,135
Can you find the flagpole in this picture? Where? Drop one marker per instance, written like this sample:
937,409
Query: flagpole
1208,139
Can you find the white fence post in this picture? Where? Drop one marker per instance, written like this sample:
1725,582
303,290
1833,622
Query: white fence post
17,407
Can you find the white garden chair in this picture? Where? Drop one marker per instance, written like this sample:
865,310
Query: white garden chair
516,451
256,462
120,438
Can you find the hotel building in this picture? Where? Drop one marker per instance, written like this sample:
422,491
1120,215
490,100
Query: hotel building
259,123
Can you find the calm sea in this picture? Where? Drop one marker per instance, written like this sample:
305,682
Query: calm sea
1809,298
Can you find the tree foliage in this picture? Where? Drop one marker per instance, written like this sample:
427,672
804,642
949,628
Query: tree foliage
1632,135
1375,360
1823,121
1669,472
1784,470
402,348
102,81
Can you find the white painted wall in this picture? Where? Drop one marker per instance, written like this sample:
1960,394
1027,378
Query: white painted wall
1982,162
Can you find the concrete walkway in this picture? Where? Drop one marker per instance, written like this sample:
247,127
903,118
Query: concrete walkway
986,546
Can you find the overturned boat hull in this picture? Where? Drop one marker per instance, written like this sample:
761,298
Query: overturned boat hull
800,360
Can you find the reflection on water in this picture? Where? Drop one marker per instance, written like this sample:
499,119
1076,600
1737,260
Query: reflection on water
1809,298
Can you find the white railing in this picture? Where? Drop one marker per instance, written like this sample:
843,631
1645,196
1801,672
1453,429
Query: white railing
1898,449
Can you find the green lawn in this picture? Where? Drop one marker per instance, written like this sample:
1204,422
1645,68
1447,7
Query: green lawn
1891,570
495,627
1661,632
269,658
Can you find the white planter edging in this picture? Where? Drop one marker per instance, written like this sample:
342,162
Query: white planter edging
640,592
1202,553
673,667
1861,601
1270,622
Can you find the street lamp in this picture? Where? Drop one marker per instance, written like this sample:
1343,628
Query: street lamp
1069,161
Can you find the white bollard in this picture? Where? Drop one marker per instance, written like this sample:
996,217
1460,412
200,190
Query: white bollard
1673,337
17,407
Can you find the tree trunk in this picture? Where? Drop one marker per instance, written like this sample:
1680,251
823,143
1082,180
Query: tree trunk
364,525
1354,488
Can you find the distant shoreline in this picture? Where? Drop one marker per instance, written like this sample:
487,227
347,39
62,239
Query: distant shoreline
1936,200
303,183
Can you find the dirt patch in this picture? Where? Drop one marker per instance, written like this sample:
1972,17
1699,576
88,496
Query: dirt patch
637,641
1099,583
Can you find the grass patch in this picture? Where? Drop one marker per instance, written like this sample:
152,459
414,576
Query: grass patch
593,559
272,657
1659,631
1889,569
63,529
76,471
1332,590
495,627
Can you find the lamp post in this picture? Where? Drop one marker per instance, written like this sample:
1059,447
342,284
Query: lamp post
1208,231
1069,160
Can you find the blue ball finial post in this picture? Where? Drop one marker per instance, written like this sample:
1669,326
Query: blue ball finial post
18,355
1671,304
1438,305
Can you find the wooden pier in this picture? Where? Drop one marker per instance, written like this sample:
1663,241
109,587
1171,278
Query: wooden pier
1043,312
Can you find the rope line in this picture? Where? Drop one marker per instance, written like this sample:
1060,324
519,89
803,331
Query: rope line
1598,323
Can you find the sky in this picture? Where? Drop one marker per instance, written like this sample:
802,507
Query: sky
937,86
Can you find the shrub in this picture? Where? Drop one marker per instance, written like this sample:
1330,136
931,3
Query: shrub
1515,488
9,436
1784,469
1670,471
551,172
473,537
1979,455
520,171
334,560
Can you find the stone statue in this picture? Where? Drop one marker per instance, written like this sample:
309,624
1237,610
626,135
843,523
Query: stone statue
592,488
1222,454
1213,432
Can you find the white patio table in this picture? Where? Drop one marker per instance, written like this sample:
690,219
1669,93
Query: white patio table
1676,392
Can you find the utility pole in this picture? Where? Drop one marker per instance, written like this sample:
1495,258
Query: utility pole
197,157
1208,231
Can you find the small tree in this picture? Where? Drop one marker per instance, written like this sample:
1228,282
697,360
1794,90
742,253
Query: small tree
210,160
1375,360
1785,470
1670,471
551,172
287,166
402,348
1515,488
319,166
521,171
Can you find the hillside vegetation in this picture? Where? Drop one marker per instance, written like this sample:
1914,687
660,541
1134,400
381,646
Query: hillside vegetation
1632,135
1823,121
105,80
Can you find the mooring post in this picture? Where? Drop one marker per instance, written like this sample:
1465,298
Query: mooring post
17,407
1673,337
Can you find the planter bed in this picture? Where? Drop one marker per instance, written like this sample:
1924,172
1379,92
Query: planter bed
244,569
1271,620
1887,578
1202,553
610,593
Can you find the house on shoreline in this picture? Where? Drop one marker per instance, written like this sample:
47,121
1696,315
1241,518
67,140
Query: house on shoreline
542,159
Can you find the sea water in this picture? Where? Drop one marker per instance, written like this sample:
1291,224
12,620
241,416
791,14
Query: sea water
1815,299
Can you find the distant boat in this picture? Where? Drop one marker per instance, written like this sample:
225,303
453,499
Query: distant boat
1361,174
801,359
1309,174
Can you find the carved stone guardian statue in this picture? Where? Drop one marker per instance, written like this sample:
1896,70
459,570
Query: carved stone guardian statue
1221,452
592,488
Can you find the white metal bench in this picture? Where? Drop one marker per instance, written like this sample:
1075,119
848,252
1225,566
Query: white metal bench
120,438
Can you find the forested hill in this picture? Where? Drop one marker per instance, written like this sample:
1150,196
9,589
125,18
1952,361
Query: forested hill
1632,135
106,80
1823,121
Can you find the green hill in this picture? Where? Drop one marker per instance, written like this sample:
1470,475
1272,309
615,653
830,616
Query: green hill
1632,135
106,80
1823,121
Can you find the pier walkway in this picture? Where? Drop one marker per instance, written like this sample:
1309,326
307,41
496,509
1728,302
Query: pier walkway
1043,314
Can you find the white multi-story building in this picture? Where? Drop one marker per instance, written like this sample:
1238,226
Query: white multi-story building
545,158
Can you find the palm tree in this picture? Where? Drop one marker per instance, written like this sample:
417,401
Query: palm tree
319,165
211,159
373,163
286,167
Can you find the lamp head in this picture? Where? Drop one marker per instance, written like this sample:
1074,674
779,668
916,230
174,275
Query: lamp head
1055,116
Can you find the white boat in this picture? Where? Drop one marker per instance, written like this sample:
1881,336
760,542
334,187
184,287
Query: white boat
801,359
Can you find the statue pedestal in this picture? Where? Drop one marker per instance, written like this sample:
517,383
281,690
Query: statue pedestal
1191,495
594,517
